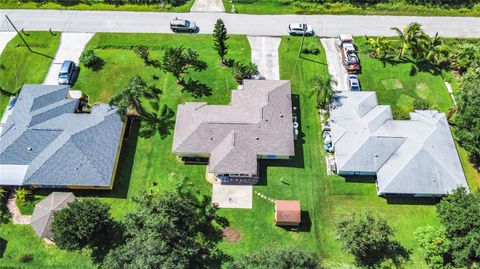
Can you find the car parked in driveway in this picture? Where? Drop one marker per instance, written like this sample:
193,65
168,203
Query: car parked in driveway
300,28
353,82
67,71
180,25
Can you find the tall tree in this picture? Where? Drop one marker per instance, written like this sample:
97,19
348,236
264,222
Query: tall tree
131,96
459,213
220,39
324,91
84,223
178,60
273,258
434,245
468,116
168,230
369,239
410,39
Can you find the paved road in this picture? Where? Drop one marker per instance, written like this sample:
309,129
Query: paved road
269,25
265,55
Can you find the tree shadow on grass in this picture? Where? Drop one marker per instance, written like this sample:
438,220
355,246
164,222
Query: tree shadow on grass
196,88
3,246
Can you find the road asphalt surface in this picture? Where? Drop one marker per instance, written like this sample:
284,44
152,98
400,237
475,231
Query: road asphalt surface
264,25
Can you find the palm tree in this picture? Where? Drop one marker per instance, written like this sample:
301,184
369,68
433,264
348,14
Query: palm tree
130,97
243,71
410,38
433,50
379,45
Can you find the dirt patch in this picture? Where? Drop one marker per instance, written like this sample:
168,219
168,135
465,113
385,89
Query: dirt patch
231,235
392,84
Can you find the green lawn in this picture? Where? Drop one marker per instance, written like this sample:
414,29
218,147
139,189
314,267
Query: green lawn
22,66
149,164
304,7
397,85
93,5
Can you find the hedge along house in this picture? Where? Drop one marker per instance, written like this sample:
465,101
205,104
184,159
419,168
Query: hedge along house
415,157
257,124
45,143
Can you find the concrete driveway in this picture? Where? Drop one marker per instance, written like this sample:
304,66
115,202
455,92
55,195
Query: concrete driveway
71,47
232,196
5,37
265,55
207,6
335,66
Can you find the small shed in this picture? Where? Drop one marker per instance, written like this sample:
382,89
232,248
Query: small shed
287,212
43,213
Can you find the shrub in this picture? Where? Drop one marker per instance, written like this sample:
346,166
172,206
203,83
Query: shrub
23,195
421,104
25,258
401,115
91,60
311,49
243,71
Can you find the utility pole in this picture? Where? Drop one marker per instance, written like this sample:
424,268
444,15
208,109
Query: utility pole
303,39
24,41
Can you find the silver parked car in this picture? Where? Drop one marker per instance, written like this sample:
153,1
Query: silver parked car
300,28
179,25
353,82
65,76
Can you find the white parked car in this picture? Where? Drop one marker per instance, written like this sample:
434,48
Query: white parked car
179,25
353,82
299,28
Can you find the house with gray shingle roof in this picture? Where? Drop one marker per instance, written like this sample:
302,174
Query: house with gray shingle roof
45,143
257,124
409,157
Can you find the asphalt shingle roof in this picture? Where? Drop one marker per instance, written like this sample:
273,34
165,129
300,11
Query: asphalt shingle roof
416,156
60,147
258,121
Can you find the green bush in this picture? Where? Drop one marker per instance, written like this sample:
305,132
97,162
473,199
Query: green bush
23,195
421,104
311,49
401,115
91,60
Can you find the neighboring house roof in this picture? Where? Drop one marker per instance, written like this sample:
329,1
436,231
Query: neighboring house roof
258,121
60,147
42,216
416,156
287,211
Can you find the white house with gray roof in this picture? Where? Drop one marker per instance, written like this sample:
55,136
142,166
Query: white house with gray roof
409,157
45,143
257,124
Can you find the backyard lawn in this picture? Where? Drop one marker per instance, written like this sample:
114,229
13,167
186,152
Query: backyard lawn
22,66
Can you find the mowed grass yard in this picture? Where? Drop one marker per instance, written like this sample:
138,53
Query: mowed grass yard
147,163
20,66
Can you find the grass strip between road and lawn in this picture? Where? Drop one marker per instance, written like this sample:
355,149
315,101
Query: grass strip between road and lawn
304,7
20,66
93,5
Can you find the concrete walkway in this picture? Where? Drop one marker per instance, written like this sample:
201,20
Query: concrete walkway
71,47
232,196
265,55
335,66
207,6
5,37
17,216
